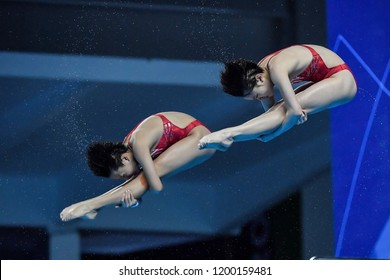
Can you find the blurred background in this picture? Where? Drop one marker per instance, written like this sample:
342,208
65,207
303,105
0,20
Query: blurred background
75,71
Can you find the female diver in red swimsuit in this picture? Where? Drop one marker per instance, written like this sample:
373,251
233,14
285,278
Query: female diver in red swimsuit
161,145
329,83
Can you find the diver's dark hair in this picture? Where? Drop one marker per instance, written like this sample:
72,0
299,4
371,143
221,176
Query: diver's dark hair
239,76
102,157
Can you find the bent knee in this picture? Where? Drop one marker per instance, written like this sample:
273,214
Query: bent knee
351,96
350,93
157,190
350,87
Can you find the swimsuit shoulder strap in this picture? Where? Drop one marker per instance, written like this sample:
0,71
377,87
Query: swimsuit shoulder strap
313,52
162,117
270,55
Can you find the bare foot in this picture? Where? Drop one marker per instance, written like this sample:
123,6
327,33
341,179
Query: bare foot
78,210
216,140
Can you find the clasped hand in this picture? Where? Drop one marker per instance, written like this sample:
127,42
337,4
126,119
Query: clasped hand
128,200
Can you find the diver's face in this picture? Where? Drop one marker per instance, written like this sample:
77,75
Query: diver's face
263,89
127,170
258,93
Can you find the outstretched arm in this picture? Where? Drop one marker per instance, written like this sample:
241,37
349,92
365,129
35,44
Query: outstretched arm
142,155
283,127
294,113
142,142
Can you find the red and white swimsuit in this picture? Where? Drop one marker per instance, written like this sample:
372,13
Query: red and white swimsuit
171,135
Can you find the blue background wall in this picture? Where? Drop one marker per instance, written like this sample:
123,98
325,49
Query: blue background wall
361,130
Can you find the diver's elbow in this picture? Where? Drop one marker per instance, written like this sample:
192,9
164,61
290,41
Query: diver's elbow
157,188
